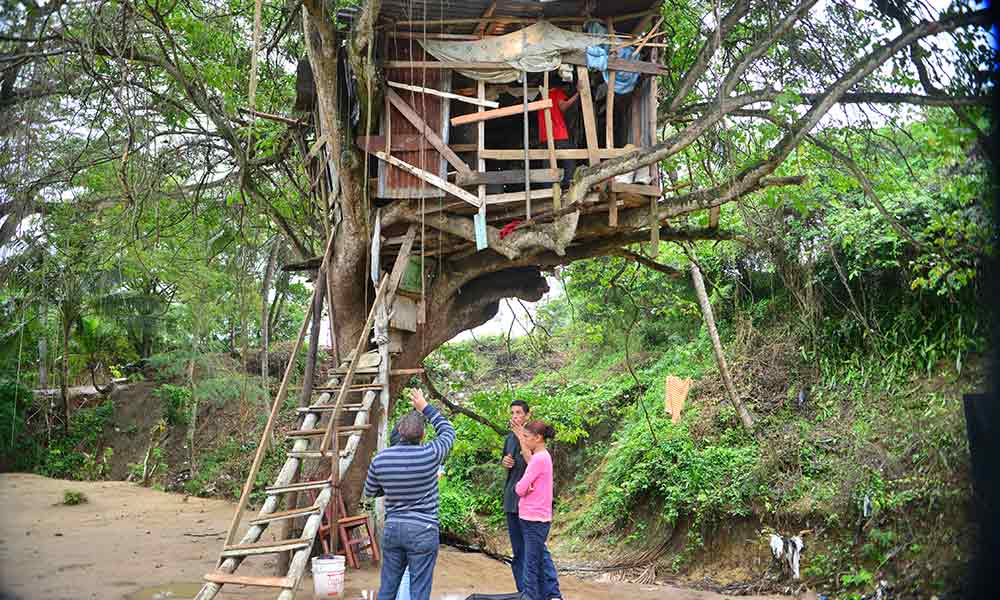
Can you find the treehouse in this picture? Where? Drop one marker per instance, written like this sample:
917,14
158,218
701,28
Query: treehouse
491,106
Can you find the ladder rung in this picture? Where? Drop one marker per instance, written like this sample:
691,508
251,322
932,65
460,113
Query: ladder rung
314,454
353,388
265,547
275,582
298,487
285,514
329,408
300,433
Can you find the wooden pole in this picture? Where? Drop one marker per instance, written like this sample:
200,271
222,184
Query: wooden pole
706,311
358,349
527,149
551,144
279,399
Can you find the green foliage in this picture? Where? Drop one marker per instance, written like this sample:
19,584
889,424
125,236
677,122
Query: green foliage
456,506
73,498
176,402
72,456
18,449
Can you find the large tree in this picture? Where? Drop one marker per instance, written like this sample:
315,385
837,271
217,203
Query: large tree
157,90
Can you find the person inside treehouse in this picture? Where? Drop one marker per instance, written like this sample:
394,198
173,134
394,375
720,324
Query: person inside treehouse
561,102
407,475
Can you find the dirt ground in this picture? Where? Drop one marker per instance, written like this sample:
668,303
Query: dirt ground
133,543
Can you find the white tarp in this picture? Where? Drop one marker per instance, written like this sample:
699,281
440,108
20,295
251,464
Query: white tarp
535,48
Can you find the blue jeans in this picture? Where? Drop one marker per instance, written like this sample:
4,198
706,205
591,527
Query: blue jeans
540,579
408,546
516,549
403,593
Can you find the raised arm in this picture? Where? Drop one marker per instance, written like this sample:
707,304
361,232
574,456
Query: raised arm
445,432
527,482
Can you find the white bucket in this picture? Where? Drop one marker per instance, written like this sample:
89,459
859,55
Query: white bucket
328,577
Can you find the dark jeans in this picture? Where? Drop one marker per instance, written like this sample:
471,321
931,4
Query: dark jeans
568,165
540,579
408,544
516,549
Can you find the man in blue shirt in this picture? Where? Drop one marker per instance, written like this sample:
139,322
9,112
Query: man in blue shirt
407,475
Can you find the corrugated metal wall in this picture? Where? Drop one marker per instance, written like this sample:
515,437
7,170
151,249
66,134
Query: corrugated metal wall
394,182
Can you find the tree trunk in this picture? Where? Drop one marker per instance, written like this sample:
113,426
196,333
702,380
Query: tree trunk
265,292
706,311
43,361
192,419
64,372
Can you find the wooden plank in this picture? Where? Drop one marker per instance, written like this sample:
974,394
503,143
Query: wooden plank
480,218
527,148
265,547
612,209
429,178
550,143
654,228
508,177
518,196
543,154
298,487
318,408
506,111
404,142
636,188
428,131
399,266
314,149
274,582
434,64
440,94
403,314
358,350
615,64
481,27
589,121
285,514
319,432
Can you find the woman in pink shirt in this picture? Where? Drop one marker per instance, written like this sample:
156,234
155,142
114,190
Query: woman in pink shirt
535,511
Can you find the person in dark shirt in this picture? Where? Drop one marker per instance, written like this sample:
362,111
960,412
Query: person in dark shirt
514,462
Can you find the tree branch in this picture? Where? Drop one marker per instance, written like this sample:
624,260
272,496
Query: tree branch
457,408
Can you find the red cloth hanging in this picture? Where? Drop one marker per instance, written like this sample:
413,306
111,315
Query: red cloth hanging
509,228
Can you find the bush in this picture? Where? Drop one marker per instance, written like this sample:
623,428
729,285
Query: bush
176,402
68,455
73,498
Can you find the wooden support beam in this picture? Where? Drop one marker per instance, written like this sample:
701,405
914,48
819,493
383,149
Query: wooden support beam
543,154
399,266
589,121
550,143
404,142
508,177
436,64
510,197
636,188
481,27
428,131
429,178
274,582
480,144
612,209
616,64
506,111
713,217
514,20
440,94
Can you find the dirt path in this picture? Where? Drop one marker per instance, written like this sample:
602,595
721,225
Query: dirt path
134,543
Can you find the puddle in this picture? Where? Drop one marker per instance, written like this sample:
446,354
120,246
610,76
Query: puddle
167,591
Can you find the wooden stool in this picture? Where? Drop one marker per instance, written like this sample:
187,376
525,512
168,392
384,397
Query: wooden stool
345,526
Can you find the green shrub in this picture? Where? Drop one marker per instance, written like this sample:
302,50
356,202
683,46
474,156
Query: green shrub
176,403
456,502
72,498
67,455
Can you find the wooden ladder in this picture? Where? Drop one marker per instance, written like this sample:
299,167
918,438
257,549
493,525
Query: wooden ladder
312,441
